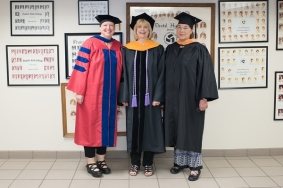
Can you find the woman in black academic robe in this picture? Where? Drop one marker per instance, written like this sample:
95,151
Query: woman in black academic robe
190,84
142,92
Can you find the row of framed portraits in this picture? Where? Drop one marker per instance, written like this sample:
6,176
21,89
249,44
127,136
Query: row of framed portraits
239,21
38,65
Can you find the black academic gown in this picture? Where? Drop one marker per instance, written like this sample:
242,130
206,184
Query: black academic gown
189,78
145,131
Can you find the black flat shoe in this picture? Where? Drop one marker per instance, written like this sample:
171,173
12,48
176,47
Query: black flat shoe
93,170
194,177
103,167
176,169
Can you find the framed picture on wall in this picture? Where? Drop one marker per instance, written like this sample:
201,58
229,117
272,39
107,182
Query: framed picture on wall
73,42
32,18
68,100
243,21
278,96
89,9
32,65
279,29
242,67
165,24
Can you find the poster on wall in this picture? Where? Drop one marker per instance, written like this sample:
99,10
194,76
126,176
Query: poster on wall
32,65
73,42
278,96
243,21
89,9
68,99
242,67
32,18
279,29
165,24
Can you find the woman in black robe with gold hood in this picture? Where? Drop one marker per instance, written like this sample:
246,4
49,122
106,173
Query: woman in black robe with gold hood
190,84
142,94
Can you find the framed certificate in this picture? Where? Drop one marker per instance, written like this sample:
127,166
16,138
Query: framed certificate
243,21
32,65
32,18
89,9
278,96
242,67
279,29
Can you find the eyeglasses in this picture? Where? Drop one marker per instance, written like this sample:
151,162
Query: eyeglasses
182,28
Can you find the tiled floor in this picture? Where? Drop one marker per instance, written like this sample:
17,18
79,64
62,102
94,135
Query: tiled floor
218,172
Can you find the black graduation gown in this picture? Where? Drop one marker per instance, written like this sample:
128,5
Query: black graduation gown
189,78
145,131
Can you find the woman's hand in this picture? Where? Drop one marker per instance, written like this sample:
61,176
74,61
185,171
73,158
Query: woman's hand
125,103
155,103
203,105
79,98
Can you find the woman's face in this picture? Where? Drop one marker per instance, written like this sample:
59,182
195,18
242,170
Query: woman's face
142,31
183,31
107,29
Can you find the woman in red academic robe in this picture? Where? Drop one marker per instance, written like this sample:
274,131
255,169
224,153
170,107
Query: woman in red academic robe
96,80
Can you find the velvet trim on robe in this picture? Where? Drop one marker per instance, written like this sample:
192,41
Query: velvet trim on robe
189,78
135,45
96,76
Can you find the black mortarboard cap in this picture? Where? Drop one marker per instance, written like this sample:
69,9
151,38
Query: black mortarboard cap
188,19
105,18
142,16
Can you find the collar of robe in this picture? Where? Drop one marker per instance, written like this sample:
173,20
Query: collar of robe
103,39
135,45
188,41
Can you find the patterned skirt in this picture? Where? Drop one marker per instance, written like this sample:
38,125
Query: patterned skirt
188,159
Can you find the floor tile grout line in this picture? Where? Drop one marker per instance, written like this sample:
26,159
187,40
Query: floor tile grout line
19,174
156,169
277,161
237,172
264,172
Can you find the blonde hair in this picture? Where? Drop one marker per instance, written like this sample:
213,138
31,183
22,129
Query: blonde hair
142,22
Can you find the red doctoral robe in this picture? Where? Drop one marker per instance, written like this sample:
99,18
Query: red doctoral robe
96,76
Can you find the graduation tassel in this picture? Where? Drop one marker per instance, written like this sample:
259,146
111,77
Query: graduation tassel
119,27
134,101
146,100
134,96
195,31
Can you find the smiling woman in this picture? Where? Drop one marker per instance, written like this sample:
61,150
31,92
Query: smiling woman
189,86
95,80
142,94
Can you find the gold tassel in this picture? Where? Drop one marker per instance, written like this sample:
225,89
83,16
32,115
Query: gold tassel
119,26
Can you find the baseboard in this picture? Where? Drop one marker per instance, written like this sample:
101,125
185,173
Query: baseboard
124,154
